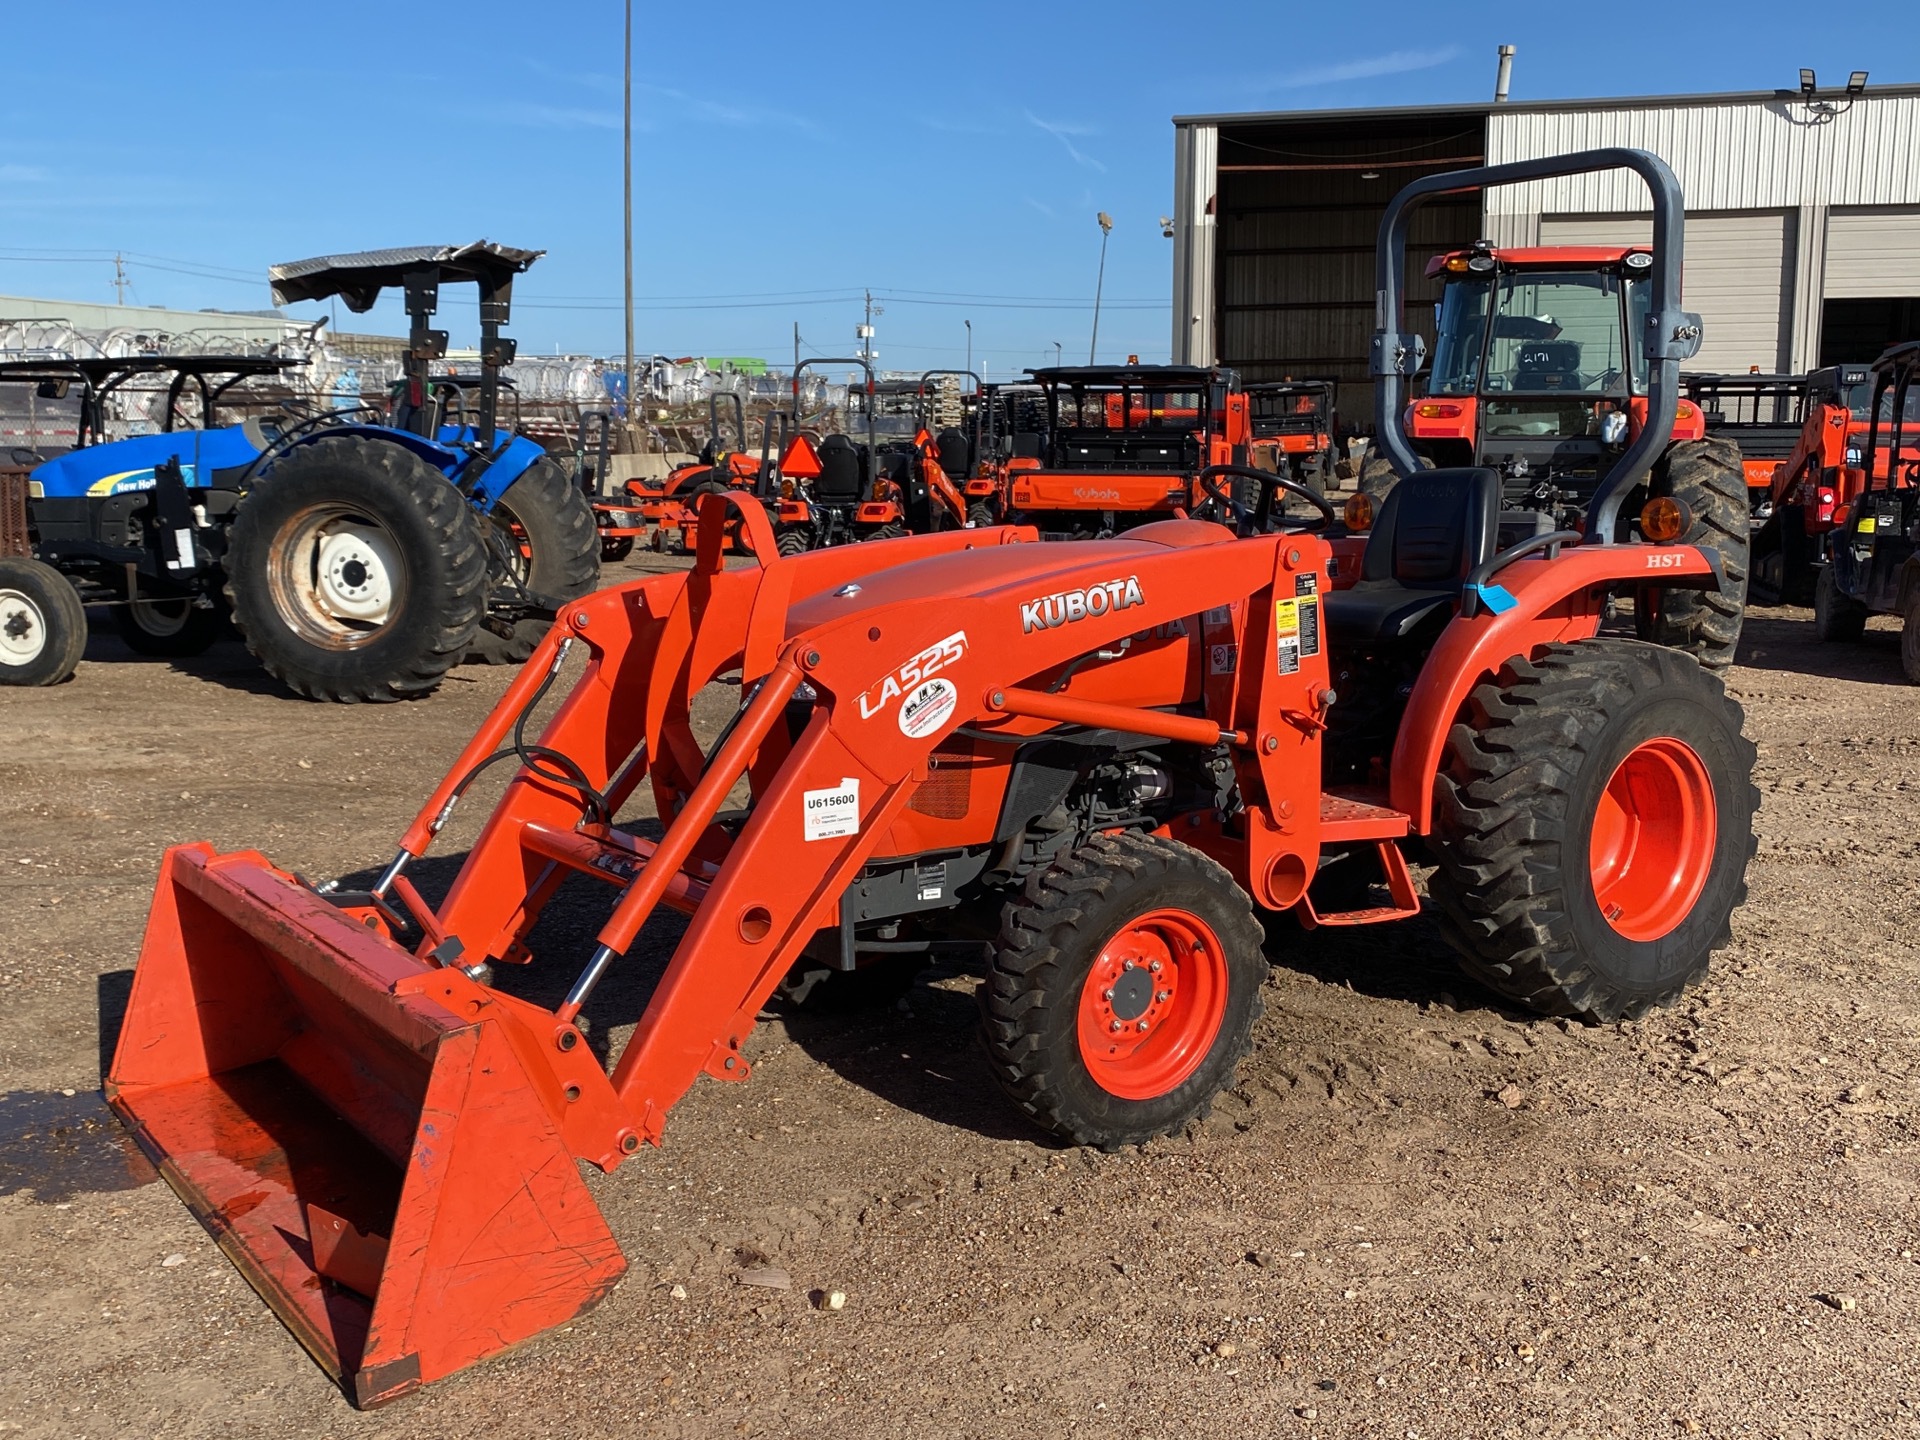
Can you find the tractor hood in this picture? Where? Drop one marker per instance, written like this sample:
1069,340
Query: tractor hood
1026,570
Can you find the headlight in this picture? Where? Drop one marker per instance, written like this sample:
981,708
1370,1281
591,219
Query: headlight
1853,455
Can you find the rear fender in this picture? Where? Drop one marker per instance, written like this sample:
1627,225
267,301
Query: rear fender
1553,601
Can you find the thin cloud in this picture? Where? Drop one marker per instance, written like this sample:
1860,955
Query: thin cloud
563,117
1064,131
1046,210
1372,67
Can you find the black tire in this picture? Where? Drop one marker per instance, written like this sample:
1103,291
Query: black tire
43,625
1051,940
892,530
1910,641
1706,476
1836,617
541,539
1515,810
980,514
615,548
430,536
172,627
792,540
1377,477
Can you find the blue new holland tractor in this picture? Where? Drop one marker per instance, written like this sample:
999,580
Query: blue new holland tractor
360,553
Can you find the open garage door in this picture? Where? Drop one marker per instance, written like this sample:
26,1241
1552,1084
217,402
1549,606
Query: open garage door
1871,288
1736,277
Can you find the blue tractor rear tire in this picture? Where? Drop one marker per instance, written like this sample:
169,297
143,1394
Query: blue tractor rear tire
356,572
541,536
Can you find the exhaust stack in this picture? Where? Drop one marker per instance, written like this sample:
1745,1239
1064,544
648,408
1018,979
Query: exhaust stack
1505,76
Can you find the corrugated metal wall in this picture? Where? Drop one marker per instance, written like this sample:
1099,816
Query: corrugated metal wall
1729,156
1738,278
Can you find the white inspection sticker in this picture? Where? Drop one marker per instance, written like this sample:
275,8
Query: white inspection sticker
833,814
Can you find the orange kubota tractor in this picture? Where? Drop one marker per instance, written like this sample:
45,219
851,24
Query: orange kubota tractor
1124,445
1541,373
1094,764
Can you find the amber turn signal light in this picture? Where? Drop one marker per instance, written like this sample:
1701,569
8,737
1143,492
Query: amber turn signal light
1663,520
1358,512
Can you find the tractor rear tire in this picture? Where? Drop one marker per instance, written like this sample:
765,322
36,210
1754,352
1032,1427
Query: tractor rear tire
356,572
43,625
980,515
1122,991
1705,475
170,628
892,530
1836,617
792,540
1593,827
1910,641
542,539
1377,477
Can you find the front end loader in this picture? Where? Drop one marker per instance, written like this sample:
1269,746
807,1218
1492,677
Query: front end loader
1089,766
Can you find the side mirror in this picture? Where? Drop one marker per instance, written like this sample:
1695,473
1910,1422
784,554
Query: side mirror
52,389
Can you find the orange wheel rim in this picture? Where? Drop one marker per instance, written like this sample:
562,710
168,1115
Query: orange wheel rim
1653,838
1153,1004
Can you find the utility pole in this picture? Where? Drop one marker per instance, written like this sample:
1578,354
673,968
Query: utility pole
120,281
1056,353
969,325
1106,228
627,128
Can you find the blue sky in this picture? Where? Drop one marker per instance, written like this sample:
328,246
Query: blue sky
786,156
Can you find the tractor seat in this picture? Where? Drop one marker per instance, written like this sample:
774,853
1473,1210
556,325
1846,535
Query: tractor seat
955,459
839,481
1433,529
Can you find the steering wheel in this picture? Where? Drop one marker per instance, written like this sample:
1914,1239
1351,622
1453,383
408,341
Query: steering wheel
1268,481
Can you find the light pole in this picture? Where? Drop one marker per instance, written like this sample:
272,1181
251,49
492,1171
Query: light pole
969,325
1056,352
627,127
1106,228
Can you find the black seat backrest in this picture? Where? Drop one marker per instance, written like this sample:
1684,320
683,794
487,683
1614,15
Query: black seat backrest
838,482
1434,527
954,459
1548,365
1026,444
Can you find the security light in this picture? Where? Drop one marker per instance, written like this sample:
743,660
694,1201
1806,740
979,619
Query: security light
1807,83
1856,82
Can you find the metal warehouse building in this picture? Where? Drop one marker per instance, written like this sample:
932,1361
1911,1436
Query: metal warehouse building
1802,236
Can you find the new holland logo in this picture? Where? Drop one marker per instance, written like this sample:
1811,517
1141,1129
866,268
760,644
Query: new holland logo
1070,605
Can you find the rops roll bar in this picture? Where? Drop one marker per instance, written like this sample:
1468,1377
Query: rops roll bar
1673,334
821,363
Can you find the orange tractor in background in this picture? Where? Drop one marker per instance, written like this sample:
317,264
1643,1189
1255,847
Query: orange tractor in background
1124,445
1086,769
1291,428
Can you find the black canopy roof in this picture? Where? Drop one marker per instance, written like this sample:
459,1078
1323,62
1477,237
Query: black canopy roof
359,277
1175,375
98,368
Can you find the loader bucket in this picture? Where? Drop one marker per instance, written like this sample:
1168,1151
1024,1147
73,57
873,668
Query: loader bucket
367,1149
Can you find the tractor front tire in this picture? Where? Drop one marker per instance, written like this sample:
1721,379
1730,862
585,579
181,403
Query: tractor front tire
543,542
1122,991
1705,476
356,572
1593,827
43,625
1836,617
171,628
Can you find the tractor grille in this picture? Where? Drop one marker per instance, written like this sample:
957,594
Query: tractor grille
13,515
949,785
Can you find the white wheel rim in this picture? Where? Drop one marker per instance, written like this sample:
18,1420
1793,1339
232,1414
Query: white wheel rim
336,576
23,629
353,573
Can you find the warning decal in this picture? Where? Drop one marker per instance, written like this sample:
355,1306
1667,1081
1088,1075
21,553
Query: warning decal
833,814
1286,634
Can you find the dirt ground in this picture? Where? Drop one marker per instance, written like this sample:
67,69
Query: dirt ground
1419,1214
